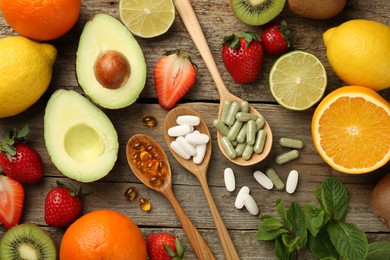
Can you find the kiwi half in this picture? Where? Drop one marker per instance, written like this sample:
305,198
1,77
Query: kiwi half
27,241
256,12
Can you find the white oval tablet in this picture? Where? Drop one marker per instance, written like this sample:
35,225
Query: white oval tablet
200,153
186,146
188,120
178,150
263,180
239,203
230,181
292,181
250,204
197,138
179,130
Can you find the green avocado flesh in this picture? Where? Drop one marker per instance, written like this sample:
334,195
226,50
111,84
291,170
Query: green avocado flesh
80,139
100,35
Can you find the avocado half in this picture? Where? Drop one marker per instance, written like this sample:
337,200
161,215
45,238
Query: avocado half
110,64
80,139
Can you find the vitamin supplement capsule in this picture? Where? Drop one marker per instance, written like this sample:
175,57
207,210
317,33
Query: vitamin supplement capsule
225,110
144,204
245,117
130,193
239,202
179,151
156,180
234,143
291,143
240,148
200,153
149,121
188,120
231,116
241,136
274,177
186,146
260,141
179,130
221,127
228,177
250,205
292,181
247,153
251,132
260,122
245,106
234,130
138,146
228,147
263,180
196,138
286,157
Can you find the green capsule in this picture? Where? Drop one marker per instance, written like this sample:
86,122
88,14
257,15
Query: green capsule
247,153
245,117
225,110
241,137
228,147
274,177
260,122
286,157
231,116
260,141
251,132
291,143
234,130
244,106
221,127
240,148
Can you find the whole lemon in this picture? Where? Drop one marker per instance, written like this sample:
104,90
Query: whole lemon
25,73
359,53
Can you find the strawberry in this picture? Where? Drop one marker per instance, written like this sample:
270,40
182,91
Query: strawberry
243,56
11,201
62,205
164,246
276,38
18,160
174,75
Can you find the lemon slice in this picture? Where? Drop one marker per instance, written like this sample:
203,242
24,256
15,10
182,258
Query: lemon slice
297,80
147,18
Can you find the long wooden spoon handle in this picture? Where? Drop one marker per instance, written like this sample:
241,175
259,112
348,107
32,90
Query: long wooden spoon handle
200,247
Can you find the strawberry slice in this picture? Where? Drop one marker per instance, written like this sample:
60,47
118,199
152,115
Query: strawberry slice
11,201
174,75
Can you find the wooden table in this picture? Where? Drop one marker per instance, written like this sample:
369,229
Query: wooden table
217,20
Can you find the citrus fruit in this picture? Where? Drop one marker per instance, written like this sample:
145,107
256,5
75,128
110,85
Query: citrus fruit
25,73
351,129
103,234
41,20
297,80
147,18
359,53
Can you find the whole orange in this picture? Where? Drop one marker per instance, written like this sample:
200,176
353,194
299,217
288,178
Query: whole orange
41,20
103,234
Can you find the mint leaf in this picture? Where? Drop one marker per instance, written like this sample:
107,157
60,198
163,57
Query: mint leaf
281,252
296,217
379,250
283,214
334,198
321,247
270,228
349,241
269,222
316,218
291,242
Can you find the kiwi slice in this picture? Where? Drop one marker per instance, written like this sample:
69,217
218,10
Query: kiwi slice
27,241
256,12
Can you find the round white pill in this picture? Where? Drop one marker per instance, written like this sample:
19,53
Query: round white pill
200,153
197,138
239,203
186,146
179,130
230,181
250,204
178,150
263,180
292,181
188,120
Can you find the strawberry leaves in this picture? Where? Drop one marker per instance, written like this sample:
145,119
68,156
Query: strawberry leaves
11,136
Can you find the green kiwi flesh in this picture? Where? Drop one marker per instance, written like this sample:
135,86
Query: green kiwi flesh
27,241
256,12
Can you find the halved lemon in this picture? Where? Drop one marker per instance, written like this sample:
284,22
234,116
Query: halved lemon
147,18
351,130
297,80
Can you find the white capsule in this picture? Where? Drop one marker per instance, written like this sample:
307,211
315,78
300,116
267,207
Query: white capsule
179,130
188,120
263,180
230,181
292,181
197,138
239,203
200,153
250,204
179,151
186,146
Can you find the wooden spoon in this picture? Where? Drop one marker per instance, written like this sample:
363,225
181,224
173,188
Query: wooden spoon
198,244
192,25
200,170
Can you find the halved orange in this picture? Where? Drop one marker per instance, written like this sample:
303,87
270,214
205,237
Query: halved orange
351,130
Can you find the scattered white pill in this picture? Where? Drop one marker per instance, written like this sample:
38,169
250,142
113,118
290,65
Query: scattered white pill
186,146
250,204
188,120
230,181
263,180
178,150
200,153
179,130
239,203
197,138
292,181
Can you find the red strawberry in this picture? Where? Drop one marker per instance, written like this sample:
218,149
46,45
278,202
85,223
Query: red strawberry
174,75
243,56
11,201
19,160
276,38
164,246
62,205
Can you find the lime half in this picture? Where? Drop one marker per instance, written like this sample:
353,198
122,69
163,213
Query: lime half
297,80
147,18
